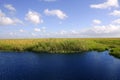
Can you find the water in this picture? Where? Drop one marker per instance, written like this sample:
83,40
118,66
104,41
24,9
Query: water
30,66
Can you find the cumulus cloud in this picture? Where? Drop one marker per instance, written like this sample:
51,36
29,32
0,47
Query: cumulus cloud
63,32
117,21
34,17
4,20
33,34
115,13
103,31
12,33
66,34
21,30
96,21
110,30
9,7
106,5
37,30
43,29
60,14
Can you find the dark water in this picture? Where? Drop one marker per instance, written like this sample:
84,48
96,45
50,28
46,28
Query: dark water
30,66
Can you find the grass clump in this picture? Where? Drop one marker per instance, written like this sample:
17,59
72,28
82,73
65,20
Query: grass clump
115,52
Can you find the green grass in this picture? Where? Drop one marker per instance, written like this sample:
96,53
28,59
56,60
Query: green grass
63,45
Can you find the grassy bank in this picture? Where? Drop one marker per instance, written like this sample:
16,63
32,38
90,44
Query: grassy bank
62,45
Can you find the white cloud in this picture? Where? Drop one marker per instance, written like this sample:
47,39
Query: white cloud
106,5
9,7
43,29
95,21
37,29
115,13
4,20
1,13
34,17
17,21
117,21
12,33
74,32
63,32
21,30
66,33
103,31
33,34
60,14
110,30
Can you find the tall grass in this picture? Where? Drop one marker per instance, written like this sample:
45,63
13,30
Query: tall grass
70,45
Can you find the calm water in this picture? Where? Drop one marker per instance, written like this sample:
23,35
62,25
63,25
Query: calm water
30,66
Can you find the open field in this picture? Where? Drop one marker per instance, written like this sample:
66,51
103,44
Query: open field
63,45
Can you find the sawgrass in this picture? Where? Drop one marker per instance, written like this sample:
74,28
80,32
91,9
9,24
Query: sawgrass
62,45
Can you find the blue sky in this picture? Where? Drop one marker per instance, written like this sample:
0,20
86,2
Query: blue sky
59,18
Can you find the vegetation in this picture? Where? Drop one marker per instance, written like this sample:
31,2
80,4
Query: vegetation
75,45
